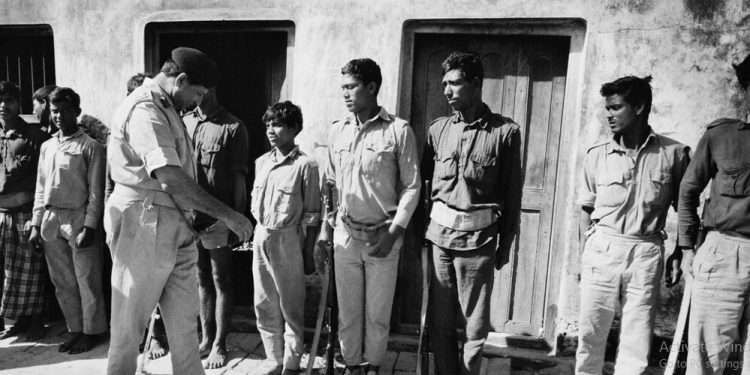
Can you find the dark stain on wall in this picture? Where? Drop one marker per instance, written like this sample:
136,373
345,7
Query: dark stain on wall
634,6
703,10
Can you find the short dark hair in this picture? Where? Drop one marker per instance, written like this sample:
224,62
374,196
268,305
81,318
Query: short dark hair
65,94
285,112
11,89
634,90
468,63
42,94
743,72
137,80
365,70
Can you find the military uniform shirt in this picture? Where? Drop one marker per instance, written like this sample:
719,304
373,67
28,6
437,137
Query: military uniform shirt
631,195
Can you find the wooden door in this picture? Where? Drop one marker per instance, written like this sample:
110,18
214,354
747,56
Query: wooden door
524,79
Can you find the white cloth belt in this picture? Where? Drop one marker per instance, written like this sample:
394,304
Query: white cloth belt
460,220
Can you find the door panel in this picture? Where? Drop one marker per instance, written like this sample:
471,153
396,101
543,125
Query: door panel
525,80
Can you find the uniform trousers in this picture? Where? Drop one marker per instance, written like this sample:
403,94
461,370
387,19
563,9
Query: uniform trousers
719,311
618,271
460,298
76,272
279,283
365,286
154,257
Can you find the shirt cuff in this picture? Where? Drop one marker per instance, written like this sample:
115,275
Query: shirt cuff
161,157
586,199
91,221
310,219
36,220
401,220
686,240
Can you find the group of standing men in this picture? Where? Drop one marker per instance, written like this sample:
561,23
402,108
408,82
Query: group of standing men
174,194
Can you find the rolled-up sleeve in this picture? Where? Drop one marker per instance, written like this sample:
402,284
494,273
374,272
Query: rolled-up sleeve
151,137
310,195
96,175
408,165
587,194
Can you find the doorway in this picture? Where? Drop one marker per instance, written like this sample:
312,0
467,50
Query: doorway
253,62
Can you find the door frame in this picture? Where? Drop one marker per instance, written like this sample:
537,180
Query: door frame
565,184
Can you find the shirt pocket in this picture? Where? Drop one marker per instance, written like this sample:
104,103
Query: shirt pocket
208,153
481,169
658,189
282,200
343,160
445,166
610,189
378,159
733,178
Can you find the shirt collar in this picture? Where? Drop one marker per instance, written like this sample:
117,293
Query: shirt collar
277,158
482,120
212,115
62,137
17,132
614,142
164,97
382,114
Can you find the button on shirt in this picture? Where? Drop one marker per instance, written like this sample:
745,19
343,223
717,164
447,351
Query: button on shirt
631,194
70,175
147,134
375,168
722,156
19,153
286,190
221,152
474,166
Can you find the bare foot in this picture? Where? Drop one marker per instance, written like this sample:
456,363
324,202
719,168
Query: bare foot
217,358
14,330
86,343
205,347
157,349
67,344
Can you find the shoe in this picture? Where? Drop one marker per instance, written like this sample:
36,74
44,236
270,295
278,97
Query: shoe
353,370
372,370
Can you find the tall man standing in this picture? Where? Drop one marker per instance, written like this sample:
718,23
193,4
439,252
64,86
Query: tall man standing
630,180
23,268
372,159
721,284
473,160
221,149
151,239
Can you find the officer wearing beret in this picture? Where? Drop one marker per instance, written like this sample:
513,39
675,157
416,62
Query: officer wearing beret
721,268
152,242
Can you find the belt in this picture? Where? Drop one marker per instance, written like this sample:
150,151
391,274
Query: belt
363,227
13,200
658,237
147,195
460,220
287,229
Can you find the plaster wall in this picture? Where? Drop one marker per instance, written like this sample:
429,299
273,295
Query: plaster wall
686,45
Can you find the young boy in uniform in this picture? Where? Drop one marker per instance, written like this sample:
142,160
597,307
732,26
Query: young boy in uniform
286,204
68,205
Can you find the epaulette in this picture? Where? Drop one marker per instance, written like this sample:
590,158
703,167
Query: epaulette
720,122
597,144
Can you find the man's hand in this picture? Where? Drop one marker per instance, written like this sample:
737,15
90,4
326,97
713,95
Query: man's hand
681,261
240,226
85,238
35,239
384,244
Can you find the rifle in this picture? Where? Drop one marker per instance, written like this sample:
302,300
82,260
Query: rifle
328,305
423,350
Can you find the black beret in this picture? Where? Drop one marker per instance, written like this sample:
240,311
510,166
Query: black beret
198,67
743,72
